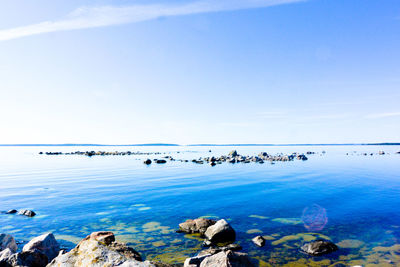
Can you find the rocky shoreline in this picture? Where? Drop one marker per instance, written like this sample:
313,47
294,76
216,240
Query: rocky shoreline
102,249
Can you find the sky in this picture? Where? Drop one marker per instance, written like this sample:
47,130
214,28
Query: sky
202,71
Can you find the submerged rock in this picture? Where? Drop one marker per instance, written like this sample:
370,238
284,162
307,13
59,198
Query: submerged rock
28,213
220,232
221,259
259,241
319,247
45,244
7,241
100,249
199,225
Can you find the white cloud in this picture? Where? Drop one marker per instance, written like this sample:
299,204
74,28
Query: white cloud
91,17
382,115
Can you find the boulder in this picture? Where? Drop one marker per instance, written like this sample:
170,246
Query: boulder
215,250
100,249
221,259
220,232
28,213
11,211
259,241
319,247
199,225
25,259
161,161
5,254
302,157
147,161
7,241
45,244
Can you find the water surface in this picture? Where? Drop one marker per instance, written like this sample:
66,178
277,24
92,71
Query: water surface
75,195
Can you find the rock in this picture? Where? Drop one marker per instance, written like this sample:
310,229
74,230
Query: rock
28,213
147,161
161,161
319,247
11,211
45,244
207,243
220,232
381,153
195,261
259,241
215,250
302,157
212,164
222,259
199,225
5,254
233,153
7,241
100,249
25,259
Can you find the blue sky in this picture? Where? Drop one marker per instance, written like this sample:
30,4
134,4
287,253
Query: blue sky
238,71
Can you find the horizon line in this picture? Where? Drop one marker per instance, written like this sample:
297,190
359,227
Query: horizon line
239,144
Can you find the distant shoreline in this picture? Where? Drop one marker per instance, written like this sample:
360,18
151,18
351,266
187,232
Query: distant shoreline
162,144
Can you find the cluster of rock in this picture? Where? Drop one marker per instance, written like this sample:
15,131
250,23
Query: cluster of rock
102,153
381,153
38,252
27,213
234,157
101,249
220,237
97,249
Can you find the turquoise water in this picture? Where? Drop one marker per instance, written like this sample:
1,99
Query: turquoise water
357,197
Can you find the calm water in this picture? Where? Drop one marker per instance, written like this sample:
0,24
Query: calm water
143,205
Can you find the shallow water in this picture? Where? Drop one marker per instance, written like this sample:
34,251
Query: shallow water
356,197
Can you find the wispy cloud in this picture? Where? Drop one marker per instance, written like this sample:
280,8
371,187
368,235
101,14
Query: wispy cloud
91,17
382,115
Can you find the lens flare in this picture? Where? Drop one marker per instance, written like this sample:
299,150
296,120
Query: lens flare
314,218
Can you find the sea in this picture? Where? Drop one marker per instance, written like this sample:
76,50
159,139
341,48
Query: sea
348,194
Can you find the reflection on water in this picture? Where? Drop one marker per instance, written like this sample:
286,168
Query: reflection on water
350,199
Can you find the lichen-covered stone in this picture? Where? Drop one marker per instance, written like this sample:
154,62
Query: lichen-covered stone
100,249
